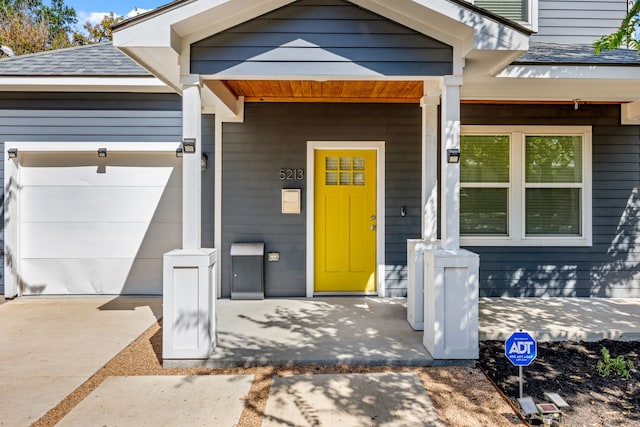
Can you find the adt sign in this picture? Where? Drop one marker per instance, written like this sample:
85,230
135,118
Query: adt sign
521,349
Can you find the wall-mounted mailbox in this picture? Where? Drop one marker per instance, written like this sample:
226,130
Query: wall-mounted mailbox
247,271
291,200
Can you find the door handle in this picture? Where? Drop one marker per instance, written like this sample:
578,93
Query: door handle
373,227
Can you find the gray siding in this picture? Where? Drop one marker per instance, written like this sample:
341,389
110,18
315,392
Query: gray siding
315,37
103,117
578,21
208,184
610,267
275,136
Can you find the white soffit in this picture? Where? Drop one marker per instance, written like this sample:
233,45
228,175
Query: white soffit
552,89
158,41
571,72
558,82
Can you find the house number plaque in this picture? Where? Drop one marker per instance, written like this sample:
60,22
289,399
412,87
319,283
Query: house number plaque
291,174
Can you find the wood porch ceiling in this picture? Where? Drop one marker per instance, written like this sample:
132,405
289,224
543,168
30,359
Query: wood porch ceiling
328,91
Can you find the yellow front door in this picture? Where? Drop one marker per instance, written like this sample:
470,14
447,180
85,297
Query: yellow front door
345,221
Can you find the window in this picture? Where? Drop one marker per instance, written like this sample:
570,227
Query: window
522,11
525,186
350,171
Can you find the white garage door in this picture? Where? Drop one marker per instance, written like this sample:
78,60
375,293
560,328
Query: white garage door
97,226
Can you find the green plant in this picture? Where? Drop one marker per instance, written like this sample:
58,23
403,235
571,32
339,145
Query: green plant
619,365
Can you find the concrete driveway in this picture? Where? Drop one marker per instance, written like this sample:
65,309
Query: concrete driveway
50,346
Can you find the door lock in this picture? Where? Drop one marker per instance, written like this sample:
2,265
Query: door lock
373,217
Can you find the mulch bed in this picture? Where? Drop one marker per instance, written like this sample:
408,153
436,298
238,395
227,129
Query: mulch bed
570,369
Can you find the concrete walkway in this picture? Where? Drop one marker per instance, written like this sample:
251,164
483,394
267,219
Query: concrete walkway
50,346
385,399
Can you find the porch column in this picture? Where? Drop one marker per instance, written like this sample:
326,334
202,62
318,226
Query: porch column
189,276
191,169
429,104
450,273
450,175
429,204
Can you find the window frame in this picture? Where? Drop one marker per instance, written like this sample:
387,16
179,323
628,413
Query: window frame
517,186
532,9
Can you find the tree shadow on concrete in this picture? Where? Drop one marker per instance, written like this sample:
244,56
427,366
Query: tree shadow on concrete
331,331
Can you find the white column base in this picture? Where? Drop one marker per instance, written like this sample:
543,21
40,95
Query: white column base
415,281
451,303
189,294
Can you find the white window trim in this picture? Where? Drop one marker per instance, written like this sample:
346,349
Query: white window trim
517,186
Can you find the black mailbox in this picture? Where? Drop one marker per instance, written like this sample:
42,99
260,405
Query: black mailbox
247,271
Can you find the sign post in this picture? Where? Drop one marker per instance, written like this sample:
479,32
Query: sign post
521,349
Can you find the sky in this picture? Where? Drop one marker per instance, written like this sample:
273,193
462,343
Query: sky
94,10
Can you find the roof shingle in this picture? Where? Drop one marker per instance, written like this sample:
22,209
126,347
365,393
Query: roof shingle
93,60
543,53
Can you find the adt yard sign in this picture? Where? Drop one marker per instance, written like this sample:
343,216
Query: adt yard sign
520,348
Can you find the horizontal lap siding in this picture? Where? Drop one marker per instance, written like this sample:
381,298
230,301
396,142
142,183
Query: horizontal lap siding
102,117
275,136
609,268
578,21
320,38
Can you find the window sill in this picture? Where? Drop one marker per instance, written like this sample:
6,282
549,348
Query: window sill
530,241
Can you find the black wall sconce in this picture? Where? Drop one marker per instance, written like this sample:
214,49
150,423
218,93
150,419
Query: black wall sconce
179,152
13,153
102,152
189,145
453,155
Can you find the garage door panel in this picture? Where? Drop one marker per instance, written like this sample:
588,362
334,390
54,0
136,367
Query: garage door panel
97,226
84,169
99,240
104,204
92,276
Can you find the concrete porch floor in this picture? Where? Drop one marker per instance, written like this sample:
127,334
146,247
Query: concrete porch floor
374,331
355,330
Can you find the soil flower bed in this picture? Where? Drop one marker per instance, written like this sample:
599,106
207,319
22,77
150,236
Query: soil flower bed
570,369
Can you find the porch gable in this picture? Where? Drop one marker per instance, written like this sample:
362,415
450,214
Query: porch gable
312,39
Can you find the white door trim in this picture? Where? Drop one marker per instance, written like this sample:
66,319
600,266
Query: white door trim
379,147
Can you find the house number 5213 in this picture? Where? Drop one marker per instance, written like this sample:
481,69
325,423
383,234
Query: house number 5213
291,174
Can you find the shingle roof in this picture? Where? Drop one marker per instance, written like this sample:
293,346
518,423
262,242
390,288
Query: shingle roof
92,60
106,60
177,3
542,53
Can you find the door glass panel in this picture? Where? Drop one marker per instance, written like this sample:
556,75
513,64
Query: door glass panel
331,163
358,163
331,178
345,178
358,178
345,163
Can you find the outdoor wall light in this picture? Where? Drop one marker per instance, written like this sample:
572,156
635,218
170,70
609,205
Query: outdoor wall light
102,152
204,162
179,152
189,145
13,153
453,155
